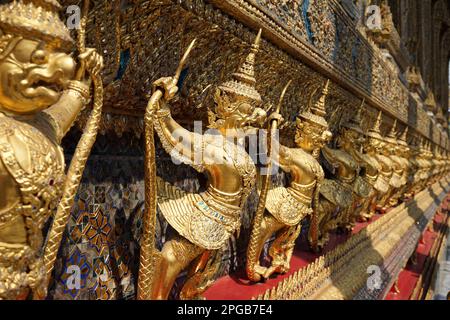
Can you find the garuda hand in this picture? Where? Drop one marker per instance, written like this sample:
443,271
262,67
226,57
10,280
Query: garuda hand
92,62
168,86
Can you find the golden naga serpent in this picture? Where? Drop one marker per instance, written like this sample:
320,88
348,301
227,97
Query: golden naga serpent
252,257
76,167
148,253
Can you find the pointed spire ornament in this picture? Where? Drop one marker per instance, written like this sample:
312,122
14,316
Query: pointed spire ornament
404,135
421,144
36,19
243,83
358,117
297,278
403,138
392,135
319,107
354,123
273,293
393,132
375,132
317,112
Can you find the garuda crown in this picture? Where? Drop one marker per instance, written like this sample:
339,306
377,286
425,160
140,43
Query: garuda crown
375,132
243,83
392,136
36,19
355,122
316,113
403,138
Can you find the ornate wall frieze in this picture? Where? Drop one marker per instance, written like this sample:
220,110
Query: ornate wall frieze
307,41
365,74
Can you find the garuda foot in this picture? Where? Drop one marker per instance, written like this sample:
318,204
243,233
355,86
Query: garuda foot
260,272
363,218
269,272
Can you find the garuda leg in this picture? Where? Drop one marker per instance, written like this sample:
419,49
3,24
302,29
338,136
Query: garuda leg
325,212
176,255
282,248
269,226
366,211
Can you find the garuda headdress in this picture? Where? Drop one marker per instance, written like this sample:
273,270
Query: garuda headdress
35,19
403,138
392,136
375,132
243,82
316,113
355,122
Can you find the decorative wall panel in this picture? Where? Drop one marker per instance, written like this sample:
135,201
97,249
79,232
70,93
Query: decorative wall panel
143,40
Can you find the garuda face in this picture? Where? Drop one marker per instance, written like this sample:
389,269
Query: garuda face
237,111
373,145
32,75
310,136
351,138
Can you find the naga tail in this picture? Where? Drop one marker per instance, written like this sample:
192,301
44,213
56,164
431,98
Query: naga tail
148,256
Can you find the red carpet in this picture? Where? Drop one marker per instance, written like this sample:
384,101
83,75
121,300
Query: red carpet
237,287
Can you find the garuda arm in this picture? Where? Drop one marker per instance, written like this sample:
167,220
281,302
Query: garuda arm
331,159
180,143
64,113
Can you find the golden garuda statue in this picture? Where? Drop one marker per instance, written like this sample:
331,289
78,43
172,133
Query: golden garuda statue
444,158
286,207
372,146
387,173
441,164
41,94
353,138
414,166
402,156
427,164
337,193
203,221
444,162
435,163
398,178
424,166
